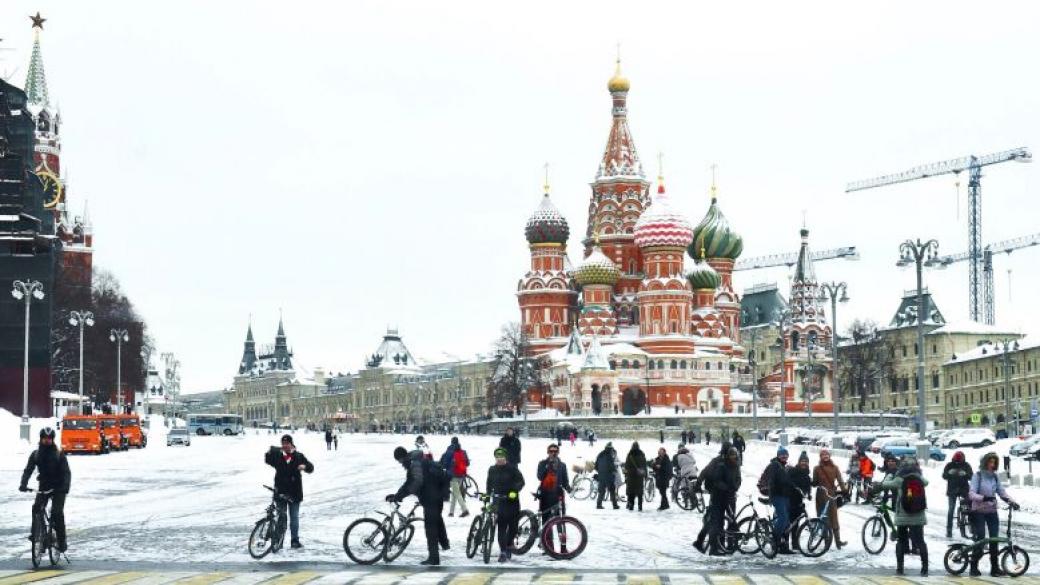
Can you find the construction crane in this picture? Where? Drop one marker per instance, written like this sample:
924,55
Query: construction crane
791,258
972,164
1004,247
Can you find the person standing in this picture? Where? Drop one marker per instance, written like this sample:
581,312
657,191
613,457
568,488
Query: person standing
910,511
606,475
682,437
829,483
779,488
574,438
802,484
661,435
635,474
957,474
552,482
328,439
707,437
662,476
721,479
983,491
504,482
288,481
421,480
456,461
54,477
335,440
739,444
511,443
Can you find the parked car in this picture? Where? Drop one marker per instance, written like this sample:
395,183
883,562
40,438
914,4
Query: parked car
897,449
1022,447
864,441
882,445
969,438
178,436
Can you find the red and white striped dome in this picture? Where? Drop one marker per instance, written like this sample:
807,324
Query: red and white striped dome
660,225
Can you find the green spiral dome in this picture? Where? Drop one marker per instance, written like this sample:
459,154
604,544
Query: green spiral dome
714,237
703,277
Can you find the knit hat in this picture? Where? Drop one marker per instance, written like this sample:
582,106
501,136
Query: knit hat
824,452
781,452
803,457
455,441
958,456
501,453
400,453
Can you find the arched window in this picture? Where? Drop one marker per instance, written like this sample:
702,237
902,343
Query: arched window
650,365
624,364
675,364
660,364
720,365
812,340
682,365
794,341
707,365
635,364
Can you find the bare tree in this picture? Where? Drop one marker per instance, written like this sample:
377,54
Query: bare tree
867,360
516,370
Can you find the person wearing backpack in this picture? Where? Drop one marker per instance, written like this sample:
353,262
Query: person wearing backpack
552,482
911,507
456,461
957,474
983,491
427,480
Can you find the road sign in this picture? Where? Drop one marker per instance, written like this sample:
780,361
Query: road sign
1034,413
976,419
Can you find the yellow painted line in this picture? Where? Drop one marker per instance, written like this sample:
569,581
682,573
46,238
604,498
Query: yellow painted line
10,572
768,579
726,579
471,578
204,579
295,578
75,577
806,580
511,578
336,578
849,580
644,579
889,580
686,579
29,577
383,578
252,578
554,578
114,578
162,578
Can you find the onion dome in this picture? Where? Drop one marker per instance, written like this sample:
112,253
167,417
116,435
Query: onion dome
660,225
618,82
703,277
713,238
597,269
546,225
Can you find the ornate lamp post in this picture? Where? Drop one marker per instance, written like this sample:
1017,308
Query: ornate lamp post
921,254
1008,346
807,369
82,319
834,292
119,337
783,319
27,291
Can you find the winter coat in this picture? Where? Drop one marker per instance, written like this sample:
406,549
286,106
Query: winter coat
563,482
448,457
605,467
415,483
662,471
512,447
687,465
53,467
986,484
739,443
720,479
328,436
779,482
635,468
894,482
287,478
458,454
828,481
957,475
504,479
801,483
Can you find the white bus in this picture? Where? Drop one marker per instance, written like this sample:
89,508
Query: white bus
215,424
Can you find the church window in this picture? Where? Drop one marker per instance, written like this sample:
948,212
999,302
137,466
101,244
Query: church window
624,364
682,365
650,365
675,364
660,364
794,341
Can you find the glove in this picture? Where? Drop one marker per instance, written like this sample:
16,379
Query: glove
1015,506
22,488
512,495
989,499
391,498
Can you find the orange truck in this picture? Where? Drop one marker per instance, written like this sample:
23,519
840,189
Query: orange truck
82,434
133,434
110,431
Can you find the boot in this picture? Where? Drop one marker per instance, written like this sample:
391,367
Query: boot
699,545
837,539
924,564
976,556
431,562
994,566
464,514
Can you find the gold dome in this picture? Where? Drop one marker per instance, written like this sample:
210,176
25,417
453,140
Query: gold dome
618,82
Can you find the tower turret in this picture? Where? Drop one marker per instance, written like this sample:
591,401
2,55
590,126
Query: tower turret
715,242
248,353
597,276
282,355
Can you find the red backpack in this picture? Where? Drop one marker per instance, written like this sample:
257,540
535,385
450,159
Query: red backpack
913,500
459,463
548,484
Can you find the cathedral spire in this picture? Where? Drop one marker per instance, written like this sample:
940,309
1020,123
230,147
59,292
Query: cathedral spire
248,351
35,79
620,159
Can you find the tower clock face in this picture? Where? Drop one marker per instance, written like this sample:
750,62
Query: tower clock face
52,189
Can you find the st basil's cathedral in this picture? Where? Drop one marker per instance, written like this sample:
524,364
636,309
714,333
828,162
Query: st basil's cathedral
636,323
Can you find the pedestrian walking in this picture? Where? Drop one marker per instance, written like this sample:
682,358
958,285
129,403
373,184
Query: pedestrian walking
707,437
288,481
739,444
456,461
662,476
682,437
829,483
957,474
909,484
328,439
511,443
504,482
635,474
983,491
606,475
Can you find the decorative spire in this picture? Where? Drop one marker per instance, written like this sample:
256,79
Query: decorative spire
35,79
545,186
804,271
618,83
281,328
660,172
620,158
714,190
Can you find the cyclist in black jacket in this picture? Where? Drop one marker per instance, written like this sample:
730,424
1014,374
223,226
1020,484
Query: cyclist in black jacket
55,476
505,481
288,463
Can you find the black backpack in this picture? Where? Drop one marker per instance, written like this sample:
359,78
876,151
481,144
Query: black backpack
438,478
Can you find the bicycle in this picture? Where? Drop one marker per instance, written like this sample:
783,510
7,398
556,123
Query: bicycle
742,531
649,486
586,487
567,531
964,519
469,487
1014,560
875,533
482,530
685,494
367,540
767,534
43,536
268,534
817,533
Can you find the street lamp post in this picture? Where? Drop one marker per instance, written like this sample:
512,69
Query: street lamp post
808,396
82,319
783,317
754,387
835,292
1008,345
119,336
920,254
27,291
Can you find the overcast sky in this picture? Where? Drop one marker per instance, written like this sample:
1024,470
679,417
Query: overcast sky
359,164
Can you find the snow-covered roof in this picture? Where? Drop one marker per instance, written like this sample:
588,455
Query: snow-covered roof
738,395
987,350
595,357
392,352
968,326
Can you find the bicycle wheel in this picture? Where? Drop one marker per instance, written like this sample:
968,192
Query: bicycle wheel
698,502
956,559
564,537
364,541
259,542
1014,561
814,538
278,535
526,532
469,487
582,489
875,535
473,538
746,542
52,549
487,539
765,538
396,544
649,490
37,544
622,496
684,499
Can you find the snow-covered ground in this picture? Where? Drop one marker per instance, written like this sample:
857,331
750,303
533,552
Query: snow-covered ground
198,503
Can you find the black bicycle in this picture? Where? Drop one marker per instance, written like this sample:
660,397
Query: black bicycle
743,532
268,535
562,537
686,495
367,540
469,487
1014,560
964,519
482,530
43,537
